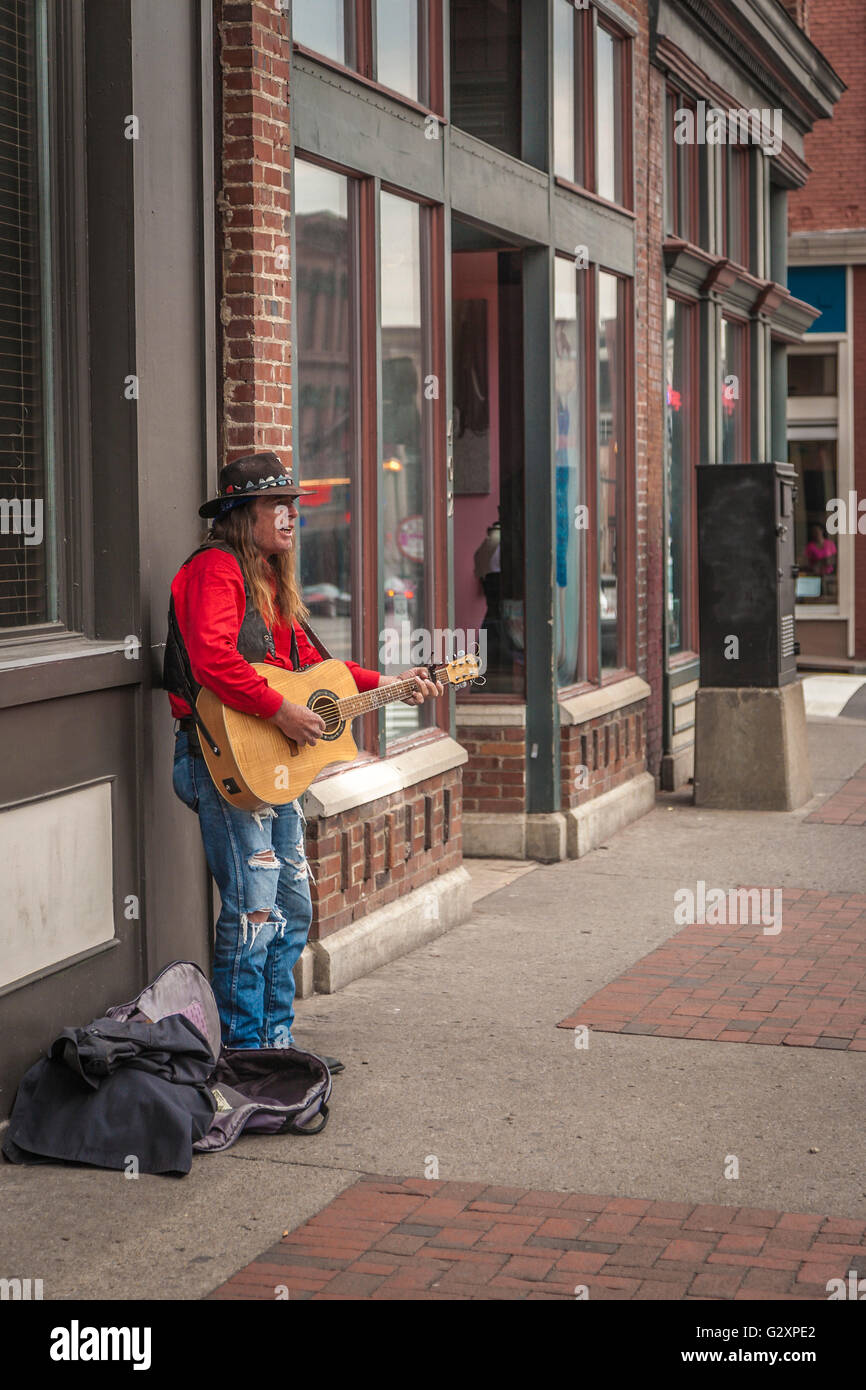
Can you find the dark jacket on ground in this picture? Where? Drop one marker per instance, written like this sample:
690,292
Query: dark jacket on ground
114,1091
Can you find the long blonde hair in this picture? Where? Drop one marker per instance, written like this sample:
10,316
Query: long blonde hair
236,529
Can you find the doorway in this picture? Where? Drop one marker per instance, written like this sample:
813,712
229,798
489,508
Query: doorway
489,541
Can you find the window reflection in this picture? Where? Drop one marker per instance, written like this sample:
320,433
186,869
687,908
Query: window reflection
486,71
677,407
611,463
321,25
564,91
404,450
817,551
733,392
571,514
325,431
397,51
607,132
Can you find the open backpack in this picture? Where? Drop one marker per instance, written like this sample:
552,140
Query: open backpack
149,1081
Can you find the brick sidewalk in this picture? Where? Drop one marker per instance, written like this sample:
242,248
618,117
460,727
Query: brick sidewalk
847,806
392,1238
805,987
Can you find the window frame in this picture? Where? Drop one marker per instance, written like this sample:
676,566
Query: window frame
368,570
743,451
587,23
595,678
65,356
361,24
680,159
736,170
689,634
812,420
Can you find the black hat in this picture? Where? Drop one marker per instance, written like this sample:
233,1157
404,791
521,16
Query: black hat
254,475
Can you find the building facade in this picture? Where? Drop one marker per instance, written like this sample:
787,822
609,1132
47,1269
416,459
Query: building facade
452,257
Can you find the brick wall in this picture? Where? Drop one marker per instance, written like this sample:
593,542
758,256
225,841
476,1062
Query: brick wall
611,748
367,857
649,100
494,779
254,204
834,196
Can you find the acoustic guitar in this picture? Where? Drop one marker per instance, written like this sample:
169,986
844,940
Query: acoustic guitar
254,765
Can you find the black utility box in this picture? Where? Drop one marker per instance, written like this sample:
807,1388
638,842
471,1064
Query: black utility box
746,571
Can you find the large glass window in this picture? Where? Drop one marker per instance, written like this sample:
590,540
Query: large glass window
567,93
613,451
682,171
680,418
817,550
735,391
398,49
486,71
608,118
488,549
386,40
572,513
366,529
406,464
592,126
27,580
325,26
326,432
813,431
736,164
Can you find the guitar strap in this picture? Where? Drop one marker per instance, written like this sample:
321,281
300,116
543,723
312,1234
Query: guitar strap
316,642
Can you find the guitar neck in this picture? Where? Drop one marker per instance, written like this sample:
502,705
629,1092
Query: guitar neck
354,705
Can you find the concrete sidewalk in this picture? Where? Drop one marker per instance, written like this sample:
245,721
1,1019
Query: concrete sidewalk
452,1054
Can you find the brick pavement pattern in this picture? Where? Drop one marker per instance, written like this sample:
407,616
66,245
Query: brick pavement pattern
805,987
847,806
395,1238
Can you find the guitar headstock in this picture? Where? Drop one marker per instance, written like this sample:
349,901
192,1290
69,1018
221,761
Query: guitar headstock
461,671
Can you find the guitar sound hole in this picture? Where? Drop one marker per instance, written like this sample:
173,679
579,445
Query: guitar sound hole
326,707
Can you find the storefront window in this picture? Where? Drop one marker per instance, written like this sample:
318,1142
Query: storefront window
325,433
488,551
734,388
406,463
612,463
679,412
816,549
572,516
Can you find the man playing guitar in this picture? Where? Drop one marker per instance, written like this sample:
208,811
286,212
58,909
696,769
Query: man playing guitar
236,601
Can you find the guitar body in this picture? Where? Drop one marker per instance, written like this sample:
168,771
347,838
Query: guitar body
257,765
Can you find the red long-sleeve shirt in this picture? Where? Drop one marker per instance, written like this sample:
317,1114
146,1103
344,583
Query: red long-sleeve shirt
210,604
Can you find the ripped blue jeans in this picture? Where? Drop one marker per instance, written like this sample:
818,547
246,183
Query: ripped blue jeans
259,864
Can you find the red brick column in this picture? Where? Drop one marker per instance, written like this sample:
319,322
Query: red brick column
254,203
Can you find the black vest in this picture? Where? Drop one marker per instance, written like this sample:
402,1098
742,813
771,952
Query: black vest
255,639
